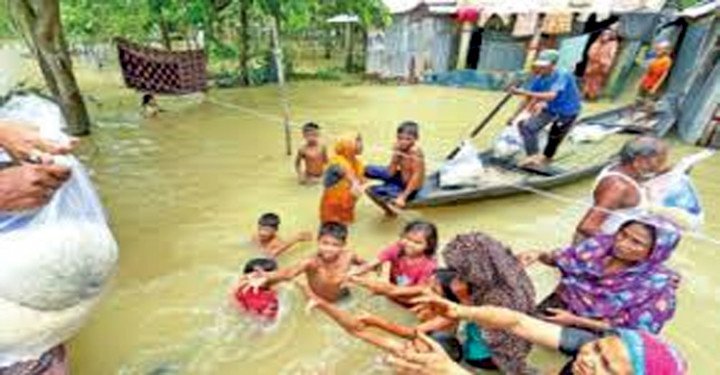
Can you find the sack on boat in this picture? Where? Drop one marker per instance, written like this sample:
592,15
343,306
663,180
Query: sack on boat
56,260
674,196
591,133
465,169
510,144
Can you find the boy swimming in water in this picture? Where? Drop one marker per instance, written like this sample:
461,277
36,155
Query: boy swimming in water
405,175
260,302
267,238
313,154
326,271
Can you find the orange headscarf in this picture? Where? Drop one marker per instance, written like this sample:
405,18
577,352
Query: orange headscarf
346,155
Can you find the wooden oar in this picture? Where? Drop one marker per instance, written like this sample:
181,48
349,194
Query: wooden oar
484,122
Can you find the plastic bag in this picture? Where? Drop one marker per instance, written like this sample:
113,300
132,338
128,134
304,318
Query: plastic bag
54,261
464,169
674,196
591,133
510,143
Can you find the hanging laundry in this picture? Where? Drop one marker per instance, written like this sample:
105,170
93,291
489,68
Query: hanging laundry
557,23
571,51
526,24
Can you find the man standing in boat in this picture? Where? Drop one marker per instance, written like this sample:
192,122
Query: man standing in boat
619,194
557,92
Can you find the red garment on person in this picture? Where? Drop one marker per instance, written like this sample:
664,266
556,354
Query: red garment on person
261,303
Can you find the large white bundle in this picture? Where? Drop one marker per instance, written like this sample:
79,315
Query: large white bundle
465,169
54,261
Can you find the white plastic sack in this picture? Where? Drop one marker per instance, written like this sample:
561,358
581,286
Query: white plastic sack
464,169
54,261
674,196
510,144
591,133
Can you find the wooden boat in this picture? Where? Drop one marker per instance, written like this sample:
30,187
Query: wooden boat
574,162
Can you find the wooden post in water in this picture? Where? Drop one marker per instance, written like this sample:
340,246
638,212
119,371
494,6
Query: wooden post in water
277,53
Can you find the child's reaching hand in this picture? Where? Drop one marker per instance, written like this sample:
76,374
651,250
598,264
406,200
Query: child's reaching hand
253,281
304,236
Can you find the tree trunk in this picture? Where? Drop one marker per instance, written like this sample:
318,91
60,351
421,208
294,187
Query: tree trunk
349,46
41,20
328,43
244,36
164,31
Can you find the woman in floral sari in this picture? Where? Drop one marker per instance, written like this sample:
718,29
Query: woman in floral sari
600,61
615,281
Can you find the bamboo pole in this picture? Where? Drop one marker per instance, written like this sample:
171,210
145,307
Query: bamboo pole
277,52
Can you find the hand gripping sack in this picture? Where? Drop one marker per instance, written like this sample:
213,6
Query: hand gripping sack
54,261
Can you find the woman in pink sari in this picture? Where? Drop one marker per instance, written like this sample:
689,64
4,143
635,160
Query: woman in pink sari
600,61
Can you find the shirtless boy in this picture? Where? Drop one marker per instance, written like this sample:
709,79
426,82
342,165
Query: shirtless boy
268,240
326,271
313,154
405,175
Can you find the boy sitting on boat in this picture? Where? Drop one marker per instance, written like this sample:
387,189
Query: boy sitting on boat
559,91
405,175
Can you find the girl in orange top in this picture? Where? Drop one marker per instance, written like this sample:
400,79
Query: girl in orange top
343,181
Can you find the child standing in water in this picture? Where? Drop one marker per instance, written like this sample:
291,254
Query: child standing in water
260,302
412,258
149,106
313,154
343,181
326,271
267,238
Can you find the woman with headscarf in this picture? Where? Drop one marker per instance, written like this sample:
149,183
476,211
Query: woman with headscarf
616,351
600,61
493,277
343,180
480,271
615,281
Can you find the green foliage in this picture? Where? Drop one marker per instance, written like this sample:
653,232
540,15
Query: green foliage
91,20
6,29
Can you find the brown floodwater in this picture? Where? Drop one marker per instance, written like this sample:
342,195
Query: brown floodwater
184,190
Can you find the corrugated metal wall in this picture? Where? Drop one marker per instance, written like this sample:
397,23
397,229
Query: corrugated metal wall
501,52
430,40
702,81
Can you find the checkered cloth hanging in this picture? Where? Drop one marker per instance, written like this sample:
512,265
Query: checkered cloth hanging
163,72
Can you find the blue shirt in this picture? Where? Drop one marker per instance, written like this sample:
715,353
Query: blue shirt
567,101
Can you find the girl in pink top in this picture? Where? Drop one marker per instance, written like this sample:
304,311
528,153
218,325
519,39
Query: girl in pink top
412,258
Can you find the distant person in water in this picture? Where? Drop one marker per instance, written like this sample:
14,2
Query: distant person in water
326,271
558,90
618,194
261,302
343,181
657,72
404,176
312,157
149,106
267,239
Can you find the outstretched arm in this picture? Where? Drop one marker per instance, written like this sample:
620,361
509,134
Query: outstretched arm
283,246
298,164
519,324
350,323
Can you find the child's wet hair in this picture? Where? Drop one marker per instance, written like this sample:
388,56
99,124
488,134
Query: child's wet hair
265,264
450,343
335,230
147,98
429,230
310,126
410,128
270,219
